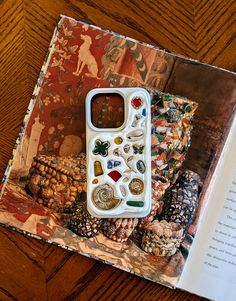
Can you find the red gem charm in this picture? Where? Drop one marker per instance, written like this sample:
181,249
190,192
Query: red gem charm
137,102
115,175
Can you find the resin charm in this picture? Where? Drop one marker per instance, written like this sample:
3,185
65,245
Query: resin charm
137,102
103,197
101,148
115,175
136,186
98,171
138,149
140,166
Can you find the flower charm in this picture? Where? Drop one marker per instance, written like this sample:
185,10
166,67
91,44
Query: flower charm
101,148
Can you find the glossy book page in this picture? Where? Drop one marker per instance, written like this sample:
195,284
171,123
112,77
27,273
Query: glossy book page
211,266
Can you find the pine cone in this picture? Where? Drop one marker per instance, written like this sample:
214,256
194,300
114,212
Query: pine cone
84,224
119,229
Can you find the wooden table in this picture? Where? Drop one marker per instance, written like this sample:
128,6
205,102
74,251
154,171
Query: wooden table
205,30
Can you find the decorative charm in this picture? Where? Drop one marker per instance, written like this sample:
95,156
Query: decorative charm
143,123
135,203
98,171
117,163
117,152
144,112
112,163
138,149
101,148
136,186
162,238
137,117
109,164
103,197
119,229
135,135
95,181
118,140
181,200
140,166
115,175
123,190
84,224
137,102
126,148
128,162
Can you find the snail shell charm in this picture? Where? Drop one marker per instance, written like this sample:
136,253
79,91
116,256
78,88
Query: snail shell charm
103,197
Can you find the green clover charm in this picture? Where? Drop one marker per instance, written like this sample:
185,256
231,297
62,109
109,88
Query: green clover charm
101,148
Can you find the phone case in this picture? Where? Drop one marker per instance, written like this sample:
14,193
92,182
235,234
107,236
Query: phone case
119,159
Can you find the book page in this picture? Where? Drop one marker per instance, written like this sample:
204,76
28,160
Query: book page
211,266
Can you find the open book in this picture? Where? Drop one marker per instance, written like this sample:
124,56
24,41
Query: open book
44,186
210,267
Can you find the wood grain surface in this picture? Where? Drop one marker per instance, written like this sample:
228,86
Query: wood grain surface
202,29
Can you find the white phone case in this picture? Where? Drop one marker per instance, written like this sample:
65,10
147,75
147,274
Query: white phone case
119,159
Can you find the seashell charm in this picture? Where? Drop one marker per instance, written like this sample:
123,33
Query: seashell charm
126,148
117,152
135,135
103,197
135,122
123,190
